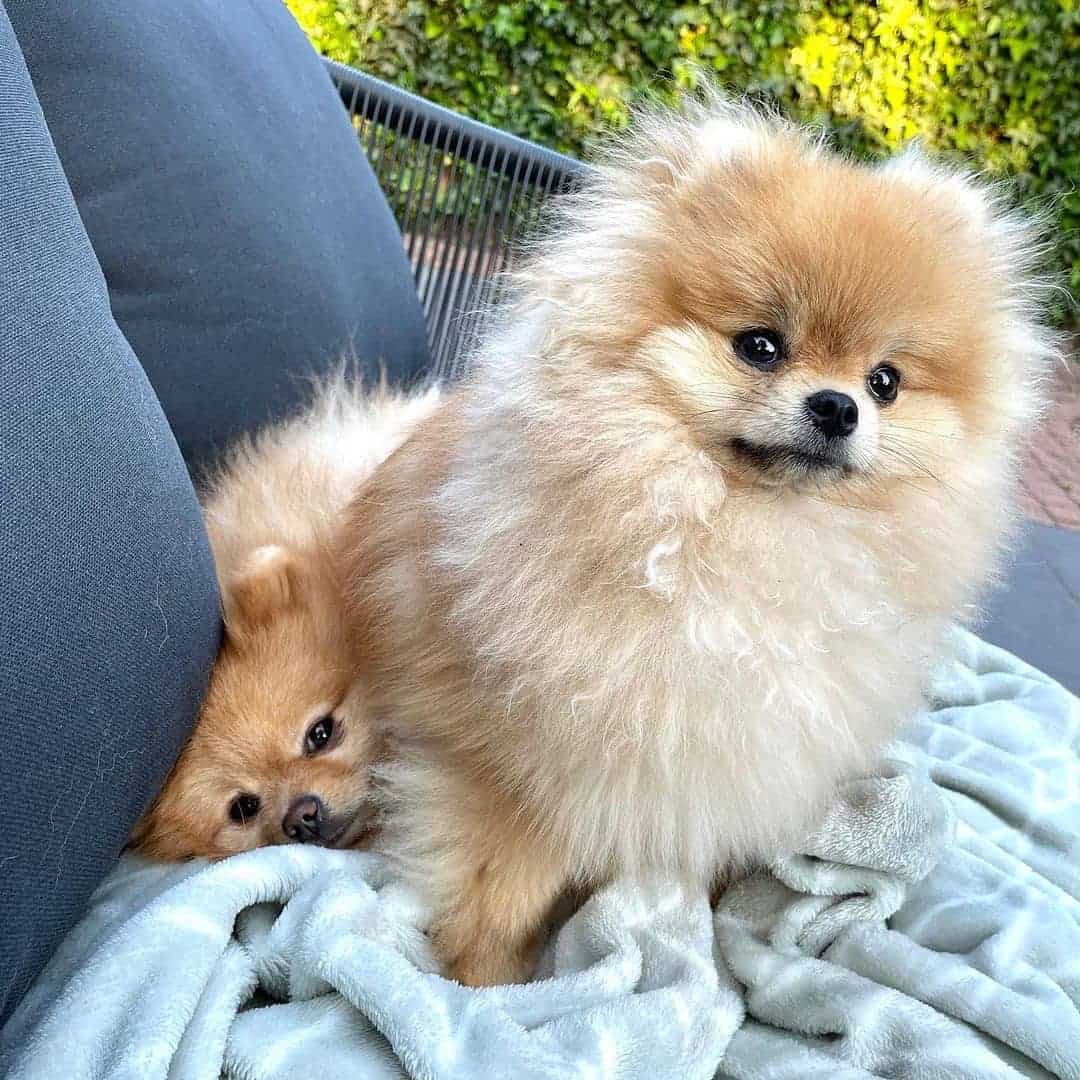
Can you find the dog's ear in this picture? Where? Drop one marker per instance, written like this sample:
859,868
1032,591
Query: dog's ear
968,199
140,833
267,584
161,834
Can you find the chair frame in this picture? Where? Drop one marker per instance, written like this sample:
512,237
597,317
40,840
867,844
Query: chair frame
465,195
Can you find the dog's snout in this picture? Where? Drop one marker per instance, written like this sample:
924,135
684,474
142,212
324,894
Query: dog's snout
834,414
304,821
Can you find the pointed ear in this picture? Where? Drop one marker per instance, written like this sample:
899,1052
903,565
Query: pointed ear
265,586
140,833
971,201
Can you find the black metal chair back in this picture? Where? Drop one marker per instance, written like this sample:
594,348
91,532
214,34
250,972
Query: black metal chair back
464,194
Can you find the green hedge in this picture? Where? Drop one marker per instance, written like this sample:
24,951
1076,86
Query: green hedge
995,83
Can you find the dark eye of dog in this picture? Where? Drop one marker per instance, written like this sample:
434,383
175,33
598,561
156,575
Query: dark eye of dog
884,383
760,347
319,734
243,808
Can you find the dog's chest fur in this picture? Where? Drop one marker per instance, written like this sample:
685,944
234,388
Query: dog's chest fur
681,677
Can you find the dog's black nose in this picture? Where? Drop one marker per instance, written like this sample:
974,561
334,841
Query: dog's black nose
833,414
304,821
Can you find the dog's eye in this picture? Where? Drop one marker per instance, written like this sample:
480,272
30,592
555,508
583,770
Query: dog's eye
760,347
318,735
244,808
884,383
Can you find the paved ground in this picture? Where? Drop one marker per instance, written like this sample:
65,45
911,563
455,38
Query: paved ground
1051,481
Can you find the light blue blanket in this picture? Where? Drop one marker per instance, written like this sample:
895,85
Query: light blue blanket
929,929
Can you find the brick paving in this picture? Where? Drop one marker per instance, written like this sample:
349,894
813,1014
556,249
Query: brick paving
1050,482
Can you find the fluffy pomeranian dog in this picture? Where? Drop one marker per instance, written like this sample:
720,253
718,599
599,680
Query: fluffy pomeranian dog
283,745
678,556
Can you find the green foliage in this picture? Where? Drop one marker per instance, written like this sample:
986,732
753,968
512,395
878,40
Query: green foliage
994,83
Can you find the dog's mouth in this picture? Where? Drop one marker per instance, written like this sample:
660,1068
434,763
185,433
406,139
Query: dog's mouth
348,829
790,460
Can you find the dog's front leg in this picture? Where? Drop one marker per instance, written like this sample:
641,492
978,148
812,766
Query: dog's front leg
499,886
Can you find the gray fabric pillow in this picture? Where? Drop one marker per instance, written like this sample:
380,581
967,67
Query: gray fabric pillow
243,236
1036,611
108,602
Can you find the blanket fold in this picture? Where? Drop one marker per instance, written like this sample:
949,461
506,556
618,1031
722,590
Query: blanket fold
929,927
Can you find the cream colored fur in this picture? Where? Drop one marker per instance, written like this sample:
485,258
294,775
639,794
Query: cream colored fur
287,485
601,642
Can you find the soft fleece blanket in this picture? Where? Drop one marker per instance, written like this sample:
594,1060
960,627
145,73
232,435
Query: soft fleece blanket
929,928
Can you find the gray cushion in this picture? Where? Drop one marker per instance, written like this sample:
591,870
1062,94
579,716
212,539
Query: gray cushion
243,236
108,608
1036,612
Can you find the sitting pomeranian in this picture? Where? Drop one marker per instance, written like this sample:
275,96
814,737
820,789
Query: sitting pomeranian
678,556
283,744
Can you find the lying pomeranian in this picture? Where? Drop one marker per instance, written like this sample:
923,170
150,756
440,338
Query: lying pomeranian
283,744
679,555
